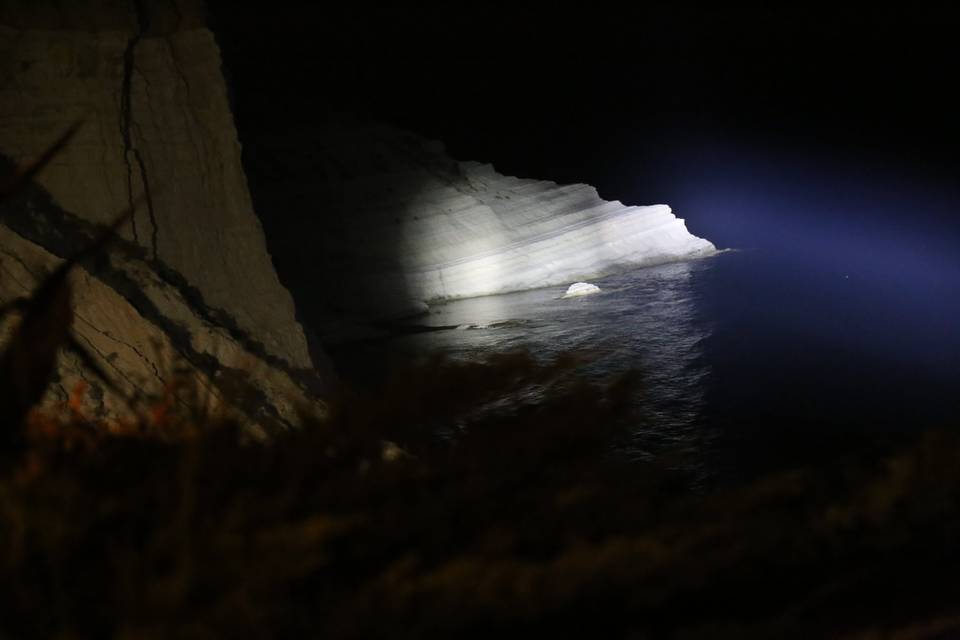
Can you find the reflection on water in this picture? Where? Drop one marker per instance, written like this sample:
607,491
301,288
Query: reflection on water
752,360
644,319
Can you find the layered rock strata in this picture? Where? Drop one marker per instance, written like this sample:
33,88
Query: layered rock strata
145,78
188,285
154,344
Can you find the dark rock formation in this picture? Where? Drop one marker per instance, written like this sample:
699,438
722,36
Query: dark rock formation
192,274
146,78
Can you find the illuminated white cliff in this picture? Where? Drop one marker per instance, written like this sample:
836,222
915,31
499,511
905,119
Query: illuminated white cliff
489,233
401,224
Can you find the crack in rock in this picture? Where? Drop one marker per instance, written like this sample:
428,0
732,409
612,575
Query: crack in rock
112,338
126,126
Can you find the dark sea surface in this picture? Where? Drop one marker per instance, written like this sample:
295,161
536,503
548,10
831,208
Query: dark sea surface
751,360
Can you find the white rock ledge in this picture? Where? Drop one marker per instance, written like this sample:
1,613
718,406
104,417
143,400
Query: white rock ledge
578,289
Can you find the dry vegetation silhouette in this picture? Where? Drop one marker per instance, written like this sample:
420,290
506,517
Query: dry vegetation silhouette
457,498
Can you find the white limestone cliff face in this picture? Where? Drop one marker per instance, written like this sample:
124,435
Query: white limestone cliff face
406,224
498,234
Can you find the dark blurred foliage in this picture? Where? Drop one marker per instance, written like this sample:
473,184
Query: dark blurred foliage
452,503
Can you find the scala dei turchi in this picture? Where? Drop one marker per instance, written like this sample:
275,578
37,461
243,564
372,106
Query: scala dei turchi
494,234
399,224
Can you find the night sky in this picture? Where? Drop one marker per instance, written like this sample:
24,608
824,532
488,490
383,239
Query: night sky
596,94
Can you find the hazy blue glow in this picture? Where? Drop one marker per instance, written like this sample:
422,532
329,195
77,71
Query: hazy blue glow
842,254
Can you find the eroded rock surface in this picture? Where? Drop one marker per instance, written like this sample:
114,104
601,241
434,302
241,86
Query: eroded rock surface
146,79
147,334
189,282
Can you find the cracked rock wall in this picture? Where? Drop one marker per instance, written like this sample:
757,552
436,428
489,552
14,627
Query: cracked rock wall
145,77
141,351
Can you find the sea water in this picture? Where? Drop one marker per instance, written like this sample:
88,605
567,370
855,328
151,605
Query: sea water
754,358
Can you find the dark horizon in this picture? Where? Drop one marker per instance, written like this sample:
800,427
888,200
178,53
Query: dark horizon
577,94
